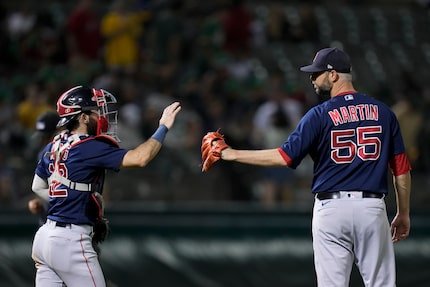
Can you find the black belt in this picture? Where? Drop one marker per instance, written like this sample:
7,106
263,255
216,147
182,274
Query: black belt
336,194
62,224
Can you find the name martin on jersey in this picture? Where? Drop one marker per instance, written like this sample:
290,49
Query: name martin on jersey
354,113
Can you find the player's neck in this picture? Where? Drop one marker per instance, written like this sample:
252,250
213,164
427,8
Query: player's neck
81,130
342,88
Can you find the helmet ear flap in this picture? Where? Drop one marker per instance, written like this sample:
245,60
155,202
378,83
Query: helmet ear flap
102,125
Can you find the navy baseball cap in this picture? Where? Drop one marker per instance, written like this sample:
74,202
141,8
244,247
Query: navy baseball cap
329,59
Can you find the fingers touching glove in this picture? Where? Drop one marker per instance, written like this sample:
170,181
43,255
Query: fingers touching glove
212,145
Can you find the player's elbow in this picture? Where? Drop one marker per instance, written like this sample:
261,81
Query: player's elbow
143,162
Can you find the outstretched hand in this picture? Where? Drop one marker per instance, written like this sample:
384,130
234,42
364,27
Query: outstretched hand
169,114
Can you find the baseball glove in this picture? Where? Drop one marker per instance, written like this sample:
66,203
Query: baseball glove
212,145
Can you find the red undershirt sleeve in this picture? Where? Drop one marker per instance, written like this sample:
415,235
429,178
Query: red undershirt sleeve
399,164
285,156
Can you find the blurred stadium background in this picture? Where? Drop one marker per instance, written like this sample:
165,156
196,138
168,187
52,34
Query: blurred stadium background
171,224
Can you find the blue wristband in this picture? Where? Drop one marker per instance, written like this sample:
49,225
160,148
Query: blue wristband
160,133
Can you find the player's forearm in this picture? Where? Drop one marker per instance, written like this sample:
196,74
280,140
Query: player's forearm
142,155
267,157
402,185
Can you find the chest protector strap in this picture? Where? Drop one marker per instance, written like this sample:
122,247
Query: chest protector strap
57,151
70,184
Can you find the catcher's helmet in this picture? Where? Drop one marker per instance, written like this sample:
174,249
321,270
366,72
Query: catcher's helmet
82,99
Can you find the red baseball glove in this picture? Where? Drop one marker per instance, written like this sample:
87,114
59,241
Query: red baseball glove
212,145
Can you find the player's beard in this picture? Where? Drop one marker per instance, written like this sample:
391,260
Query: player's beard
324,90
92,127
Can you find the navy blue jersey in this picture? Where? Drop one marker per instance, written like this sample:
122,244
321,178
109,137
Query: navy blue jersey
350,138
84,162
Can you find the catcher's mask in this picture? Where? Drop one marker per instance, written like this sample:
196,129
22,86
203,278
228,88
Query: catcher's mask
83,99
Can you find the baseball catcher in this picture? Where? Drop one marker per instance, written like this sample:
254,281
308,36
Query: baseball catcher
70,176
212,145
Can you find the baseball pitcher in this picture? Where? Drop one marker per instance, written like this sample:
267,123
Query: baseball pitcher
353,140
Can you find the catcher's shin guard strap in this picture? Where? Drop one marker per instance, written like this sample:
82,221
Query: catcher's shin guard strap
160,133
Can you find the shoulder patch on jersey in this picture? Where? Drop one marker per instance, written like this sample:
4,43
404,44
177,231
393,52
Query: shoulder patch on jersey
107,139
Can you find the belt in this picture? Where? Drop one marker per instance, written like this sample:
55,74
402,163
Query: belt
62,224
84,228
348,194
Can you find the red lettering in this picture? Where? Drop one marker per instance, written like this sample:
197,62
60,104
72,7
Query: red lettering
335,117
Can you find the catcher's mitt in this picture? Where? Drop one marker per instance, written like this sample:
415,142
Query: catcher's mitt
212,145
